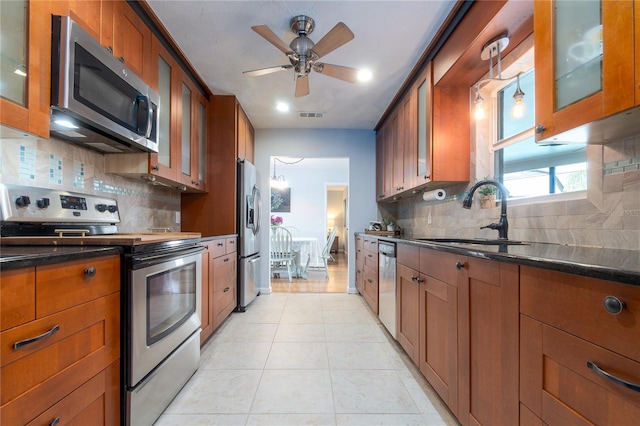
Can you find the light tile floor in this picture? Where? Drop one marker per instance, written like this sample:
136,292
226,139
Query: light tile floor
303,359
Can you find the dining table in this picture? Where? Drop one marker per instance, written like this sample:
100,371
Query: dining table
306,254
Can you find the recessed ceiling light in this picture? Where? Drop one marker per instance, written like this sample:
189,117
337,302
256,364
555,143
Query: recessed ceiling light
282,107
364,75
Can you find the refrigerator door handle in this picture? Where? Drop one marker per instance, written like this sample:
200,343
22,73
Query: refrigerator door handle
257,205
254,260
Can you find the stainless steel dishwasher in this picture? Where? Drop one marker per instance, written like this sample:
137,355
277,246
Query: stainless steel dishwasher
387,285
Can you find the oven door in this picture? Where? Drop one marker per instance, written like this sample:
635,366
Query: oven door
163,307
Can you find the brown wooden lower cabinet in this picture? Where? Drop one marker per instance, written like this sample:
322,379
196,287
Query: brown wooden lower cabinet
370,272
219,288
508,344
205,312
408,300
438,361
60,358
566,333
408,311
488,344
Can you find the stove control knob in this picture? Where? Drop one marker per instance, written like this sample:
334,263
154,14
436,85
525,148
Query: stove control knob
113,208
43,203
101,207
23,201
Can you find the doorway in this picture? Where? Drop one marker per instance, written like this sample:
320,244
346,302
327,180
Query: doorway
317,190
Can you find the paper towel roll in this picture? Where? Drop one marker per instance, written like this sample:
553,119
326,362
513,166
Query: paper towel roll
438,194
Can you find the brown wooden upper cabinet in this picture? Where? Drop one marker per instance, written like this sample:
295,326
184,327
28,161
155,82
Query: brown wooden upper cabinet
245,136
132,41
24,104
414,155
231,137
191,134
182,130
584,62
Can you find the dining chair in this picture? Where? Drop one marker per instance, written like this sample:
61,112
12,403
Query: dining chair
295,232
281,254
326,251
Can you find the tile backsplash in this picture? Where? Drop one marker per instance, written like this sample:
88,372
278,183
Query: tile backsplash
606,215
53,163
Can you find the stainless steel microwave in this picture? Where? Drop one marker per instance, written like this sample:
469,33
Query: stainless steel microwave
96,101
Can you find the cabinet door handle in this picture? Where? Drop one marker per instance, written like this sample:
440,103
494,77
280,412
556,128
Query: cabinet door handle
90,272
226,289
600,372
226,259
540,128
613,305
419,280
55,421
459,265
25,342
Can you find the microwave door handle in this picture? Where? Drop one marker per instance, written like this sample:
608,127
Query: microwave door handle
145,99
149,119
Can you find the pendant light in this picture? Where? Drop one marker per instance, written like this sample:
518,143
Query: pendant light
492,49
277,181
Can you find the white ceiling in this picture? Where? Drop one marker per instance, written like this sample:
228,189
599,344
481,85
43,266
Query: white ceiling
390,37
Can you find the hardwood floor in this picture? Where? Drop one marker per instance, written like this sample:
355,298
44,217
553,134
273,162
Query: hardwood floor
316,281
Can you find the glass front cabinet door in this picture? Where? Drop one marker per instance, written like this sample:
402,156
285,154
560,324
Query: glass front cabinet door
584,62
24,74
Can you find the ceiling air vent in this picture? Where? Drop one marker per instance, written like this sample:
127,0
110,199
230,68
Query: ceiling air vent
310,114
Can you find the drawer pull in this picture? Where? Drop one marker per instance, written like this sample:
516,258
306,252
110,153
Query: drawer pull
600,372
613,305
227,259
220,244
90,272
26,342
226,289
55,421
460,265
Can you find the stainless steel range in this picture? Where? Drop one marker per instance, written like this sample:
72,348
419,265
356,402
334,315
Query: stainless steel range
161,287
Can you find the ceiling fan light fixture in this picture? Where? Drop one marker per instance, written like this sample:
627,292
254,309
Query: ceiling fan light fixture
364,75
303,53
282,106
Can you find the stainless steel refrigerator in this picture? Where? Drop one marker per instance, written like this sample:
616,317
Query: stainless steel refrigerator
249,213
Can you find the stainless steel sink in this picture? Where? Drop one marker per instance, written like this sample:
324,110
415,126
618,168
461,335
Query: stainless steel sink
472,241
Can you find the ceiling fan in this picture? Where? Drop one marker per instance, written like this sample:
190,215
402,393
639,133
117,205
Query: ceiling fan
304,53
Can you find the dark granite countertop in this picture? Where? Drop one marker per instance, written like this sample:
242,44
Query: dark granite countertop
14,257
617,265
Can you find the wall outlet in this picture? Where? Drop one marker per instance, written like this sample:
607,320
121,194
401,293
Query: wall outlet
177,218
429,219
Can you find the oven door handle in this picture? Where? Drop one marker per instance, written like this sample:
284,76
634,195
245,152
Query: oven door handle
159,258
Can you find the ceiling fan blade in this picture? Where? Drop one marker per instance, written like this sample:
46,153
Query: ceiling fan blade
272,38
263,71
339,35
337,71
302,86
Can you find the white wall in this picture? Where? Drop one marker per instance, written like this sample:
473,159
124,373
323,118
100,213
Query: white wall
357,145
